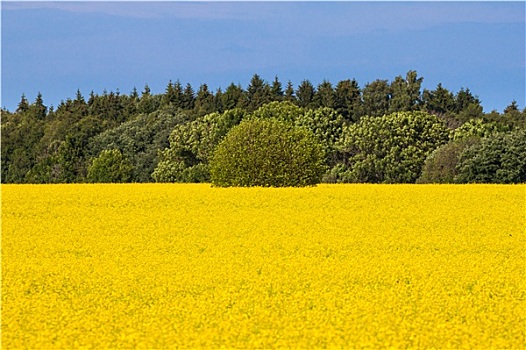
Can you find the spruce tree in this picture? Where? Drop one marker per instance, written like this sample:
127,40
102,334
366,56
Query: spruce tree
348,99
276,90
188,97
324,96
305,94
289,93
258,93
23,105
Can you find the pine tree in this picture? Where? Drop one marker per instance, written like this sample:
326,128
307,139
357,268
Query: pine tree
289,93
204,101
233,97
439,101
324,96
188,97
37,109
169,94
218,101
23,105
348,99
305,94
258,93
276,90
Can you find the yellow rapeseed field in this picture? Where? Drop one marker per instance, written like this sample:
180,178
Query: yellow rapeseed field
333,266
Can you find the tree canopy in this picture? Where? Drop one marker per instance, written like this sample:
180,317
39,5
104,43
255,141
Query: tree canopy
171,136
267,152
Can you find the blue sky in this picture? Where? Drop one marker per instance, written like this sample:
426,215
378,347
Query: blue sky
59,47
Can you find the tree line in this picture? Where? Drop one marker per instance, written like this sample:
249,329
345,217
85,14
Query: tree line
384,132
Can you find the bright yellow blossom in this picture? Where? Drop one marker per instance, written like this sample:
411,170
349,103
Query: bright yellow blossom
332,266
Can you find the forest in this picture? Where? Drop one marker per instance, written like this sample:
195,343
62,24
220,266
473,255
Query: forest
381,132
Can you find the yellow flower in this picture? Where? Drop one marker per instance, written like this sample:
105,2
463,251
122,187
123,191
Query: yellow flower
332,266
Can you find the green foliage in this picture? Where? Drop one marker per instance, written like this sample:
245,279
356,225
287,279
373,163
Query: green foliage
191,146
204,101
110,166
285,111
405,93
438,101
258,93
305,94
348,100
327,125
389,149
474,128
21,133
325,95
139,140
441,165
376,98
498,158
48,145
267,152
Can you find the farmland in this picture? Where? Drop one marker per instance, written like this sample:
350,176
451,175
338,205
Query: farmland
192,266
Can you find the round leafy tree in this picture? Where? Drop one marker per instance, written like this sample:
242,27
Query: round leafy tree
498,158
267,152
389,149
110,166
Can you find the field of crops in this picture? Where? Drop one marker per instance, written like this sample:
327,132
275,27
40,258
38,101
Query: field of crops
191,266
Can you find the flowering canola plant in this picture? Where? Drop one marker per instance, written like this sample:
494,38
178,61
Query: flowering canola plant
332,266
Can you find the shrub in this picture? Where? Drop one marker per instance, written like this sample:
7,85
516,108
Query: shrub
267,152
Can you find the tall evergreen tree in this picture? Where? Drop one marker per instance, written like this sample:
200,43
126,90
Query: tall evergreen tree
289,93
258,93
37,109
324,96
438,101
146,102
188,97
173,95
23,105
233,97
218,101
399,98
348,99
305,94
463,99
134,94
204,101
80,107
276,90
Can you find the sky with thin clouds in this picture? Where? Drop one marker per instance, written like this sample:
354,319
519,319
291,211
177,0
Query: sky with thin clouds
59,47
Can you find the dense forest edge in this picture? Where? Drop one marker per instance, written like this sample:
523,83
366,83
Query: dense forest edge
384,132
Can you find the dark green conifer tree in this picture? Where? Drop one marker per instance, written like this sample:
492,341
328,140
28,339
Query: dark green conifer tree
276,90
258,93
348,99
305,94
23,105
289,93
324,96
188,97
